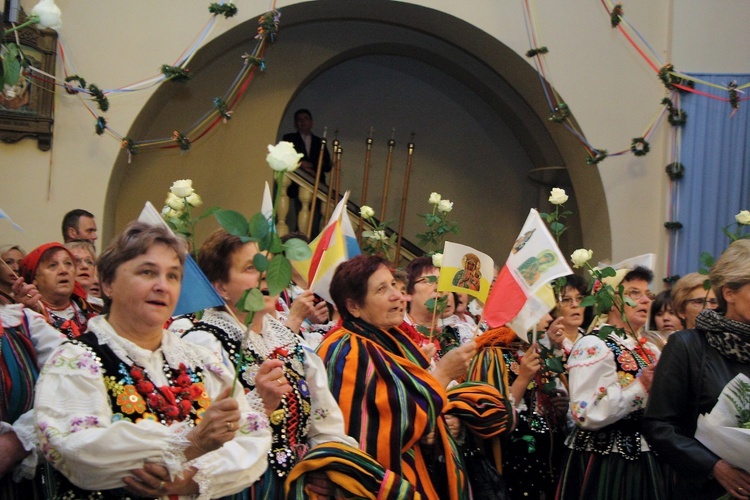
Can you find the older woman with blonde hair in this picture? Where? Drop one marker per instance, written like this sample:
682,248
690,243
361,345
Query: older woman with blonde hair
693,370
689,297
130,409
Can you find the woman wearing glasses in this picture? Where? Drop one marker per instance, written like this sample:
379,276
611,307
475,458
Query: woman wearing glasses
566,329
689,298
610,379
694,369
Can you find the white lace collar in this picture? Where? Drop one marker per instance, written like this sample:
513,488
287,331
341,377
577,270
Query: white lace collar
175,350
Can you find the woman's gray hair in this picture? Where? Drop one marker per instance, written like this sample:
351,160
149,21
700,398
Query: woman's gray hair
731,270
82,244
135,240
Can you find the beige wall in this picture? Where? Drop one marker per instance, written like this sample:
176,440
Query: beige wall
611,91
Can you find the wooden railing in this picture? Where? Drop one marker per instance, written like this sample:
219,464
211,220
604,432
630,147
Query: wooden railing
305,182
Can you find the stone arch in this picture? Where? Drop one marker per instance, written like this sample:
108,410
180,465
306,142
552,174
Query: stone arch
315,39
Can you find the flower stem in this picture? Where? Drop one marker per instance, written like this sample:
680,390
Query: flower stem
34,19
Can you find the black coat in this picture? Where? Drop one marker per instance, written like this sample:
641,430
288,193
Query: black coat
689,378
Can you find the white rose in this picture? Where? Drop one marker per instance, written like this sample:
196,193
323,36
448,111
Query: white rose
557,196
182,188
170,213
380,235
175,202
366,212
283,157
445,206
49,14
435,198
437,260
580,257
165,210
743,217
194,200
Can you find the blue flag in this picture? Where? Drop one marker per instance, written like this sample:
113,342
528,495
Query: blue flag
197,292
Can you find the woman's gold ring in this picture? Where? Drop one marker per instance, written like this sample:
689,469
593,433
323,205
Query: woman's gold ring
29,295
161,486
230,426
280,380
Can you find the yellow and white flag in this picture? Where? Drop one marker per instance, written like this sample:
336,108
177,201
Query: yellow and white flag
465,270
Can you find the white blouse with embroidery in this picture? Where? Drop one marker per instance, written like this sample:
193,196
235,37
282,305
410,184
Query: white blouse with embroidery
326,419
600,395
95,449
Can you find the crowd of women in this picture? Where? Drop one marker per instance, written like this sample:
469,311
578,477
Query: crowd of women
106,395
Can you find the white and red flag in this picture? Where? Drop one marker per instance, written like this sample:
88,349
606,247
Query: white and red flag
534,261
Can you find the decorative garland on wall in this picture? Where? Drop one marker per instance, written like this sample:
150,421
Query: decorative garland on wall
675,82
96,100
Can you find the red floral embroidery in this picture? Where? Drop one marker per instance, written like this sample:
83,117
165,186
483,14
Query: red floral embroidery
627,361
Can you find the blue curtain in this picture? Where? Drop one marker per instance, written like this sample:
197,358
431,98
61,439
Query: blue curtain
715,150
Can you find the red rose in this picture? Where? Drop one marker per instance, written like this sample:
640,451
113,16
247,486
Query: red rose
195,391
183,380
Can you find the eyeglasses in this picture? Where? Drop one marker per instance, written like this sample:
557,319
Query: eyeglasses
636,294
86,261
700,301
427,279
571,301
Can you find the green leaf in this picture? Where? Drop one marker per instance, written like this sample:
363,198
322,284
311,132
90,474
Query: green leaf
605,330
279,274
555,364
706,259
258,226
260,262
276,246
608,272
251,300
544,216
707,285
297,249
368,234
587,301
233,222
207,213
629,301
557,227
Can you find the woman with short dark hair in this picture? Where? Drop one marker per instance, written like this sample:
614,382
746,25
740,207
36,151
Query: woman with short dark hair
128,408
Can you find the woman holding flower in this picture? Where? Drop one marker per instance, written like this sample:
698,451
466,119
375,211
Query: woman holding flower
281,375
694,368
129,409
611,371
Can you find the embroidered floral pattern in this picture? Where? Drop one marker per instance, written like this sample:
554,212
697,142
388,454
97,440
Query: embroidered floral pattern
625,378
600,395
579,410
627,361
637,402
321,413
130,401
81,423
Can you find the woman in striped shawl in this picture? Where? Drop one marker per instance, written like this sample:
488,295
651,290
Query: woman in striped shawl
392,405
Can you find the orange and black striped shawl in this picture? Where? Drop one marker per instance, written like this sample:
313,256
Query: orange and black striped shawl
390,403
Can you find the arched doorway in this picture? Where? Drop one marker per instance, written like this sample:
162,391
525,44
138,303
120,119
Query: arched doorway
476,106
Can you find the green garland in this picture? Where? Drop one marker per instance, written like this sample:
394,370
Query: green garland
175,73
74,78
101,125
675,170
182,140
129,144
534,52
599,155
221,106
616,15
734,97
670,280
640,146
227,10
560,113
99,97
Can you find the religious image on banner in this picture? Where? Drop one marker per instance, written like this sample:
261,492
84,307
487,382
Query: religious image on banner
465,270
534,261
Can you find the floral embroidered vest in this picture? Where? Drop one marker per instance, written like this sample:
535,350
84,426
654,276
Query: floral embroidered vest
290,422
626,432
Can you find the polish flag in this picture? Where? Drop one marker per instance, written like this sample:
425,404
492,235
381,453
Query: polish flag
534,261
